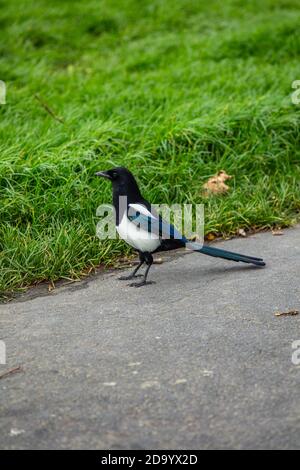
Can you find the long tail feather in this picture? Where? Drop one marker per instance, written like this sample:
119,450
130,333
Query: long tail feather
218,253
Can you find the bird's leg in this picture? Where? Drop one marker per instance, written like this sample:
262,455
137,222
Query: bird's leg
149,260
133,274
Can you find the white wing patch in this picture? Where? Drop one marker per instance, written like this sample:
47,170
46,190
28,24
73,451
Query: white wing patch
141,209
135,236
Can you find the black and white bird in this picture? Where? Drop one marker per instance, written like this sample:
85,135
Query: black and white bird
140,226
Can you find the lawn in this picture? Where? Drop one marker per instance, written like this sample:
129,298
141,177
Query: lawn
175,91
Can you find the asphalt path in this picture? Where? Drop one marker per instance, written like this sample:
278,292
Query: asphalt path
197,360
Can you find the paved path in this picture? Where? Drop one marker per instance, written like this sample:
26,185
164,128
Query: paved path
197,360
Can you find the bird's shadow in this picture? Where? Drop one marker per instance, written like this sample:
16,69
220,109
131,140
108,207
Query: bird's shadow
206,271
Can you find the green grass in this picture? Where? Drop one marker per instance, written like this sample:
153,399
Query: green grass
173,90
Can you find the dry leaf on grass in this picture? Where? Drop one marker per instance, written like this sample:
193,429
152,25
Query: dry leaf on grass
216,184
210,237
288,313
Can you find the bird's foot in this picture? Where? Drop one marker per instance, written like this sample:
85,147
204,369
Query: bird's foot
140,284
130,276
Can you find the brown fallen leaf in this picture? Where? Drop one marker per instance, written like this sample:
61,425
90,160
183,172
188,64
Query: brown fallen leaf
210,237
216,184
288,313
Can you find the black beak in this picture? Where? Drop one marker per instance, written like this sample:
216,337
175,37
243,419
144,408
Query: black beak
103,174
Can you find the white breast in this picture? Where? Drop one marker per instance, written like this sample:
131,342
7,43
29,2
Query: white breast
140,239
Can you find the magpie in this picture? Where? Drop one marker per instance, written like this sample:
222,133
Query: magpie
140,226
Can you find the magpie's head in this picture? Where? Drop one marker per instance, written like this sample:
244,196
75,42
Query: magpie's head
121,178
115,175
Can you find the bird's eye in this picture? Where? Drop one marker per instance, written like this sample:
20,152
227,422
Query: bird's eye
115,174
